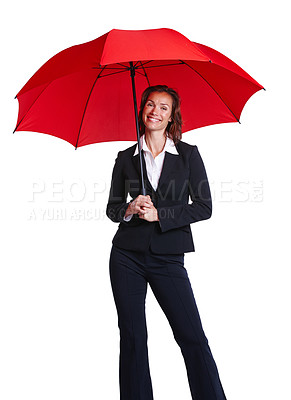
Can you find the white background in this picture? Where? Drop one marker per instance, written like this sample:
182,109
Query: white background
59,337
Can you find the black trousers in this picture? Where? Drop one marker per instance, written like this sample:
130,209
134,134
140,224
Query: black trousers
130,272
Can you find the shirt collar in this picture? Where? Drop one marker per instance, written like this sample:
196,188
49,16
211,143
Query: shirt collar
169,146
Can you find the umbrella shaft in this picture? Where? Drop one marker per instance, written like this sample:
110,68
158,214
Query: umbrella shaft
132,74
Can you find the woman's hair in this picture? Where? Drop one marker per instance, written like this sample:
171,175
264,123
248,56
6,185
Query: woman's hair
174,128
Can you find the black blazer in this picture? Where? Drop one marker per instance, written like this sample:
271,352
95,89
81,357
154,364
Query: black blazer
183,176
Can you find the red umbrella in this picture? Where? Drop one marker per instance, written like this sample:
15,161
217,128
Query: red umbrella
83,94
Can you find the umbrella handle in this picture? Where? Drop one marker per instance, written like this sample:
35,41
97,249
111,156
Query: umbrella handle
132,74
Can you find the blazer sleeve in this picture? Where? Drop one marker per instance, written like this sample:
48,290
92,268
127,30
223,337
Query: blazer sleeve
176,216
117,204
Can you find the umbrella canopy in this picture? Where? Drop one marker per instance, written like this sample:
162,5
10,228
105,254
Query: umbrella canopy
84,93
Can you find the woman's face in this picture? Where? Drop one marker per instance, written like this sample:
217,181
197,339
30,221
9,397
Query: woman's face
157,112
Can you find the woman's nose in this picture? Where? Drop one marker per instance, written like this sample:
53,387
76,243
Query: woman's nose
154,110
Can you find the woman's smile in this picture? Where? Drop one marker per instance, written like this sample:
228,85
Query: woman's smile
151,118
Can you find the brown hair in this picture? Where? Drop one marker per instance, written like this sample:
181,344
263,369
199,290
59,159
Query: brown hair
174,128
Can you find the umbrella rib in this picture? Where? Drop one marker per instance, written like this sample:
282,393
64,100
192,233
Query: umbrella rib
30,106
163,65
86,105
183,62
113,73
124,68
145,62
145,73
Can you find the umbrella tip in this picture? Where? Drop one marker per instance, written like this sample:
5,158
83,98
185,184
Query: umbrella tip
76,148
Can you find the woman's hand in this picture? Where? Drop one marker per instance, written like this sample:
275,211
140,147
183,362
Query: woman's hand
150,215
139,206
143,206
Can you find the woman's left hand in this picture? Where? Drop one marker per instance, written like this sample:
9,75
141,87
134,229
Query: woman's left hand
150,215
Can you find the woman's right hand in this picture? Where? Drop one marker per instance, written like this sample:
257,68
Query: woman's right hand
140,205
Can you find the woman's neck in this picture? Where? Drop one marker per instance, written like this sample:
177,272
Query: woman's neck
155,142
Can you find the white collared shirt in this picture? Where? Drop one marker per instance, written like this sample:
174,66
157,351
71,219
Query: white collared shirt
154,165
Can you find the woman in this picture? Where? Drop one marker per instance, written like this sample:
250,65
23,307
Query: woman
148,248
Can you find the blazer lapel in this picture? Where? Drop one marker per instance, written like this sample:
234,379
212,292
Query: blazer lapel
136,163
170,164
